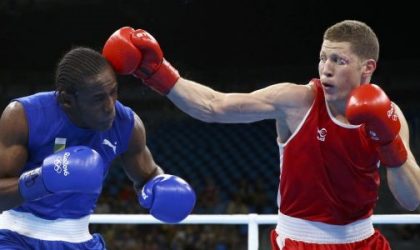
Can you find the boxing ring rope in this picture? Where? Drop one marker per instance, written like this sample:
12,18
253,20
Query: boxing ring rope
253,220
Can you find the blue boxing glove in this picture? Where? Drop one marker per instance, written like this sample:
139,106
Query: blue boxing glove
76,169
169,198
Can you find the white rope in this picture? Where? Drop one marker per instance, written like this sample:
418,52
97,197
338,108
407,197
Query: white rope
253,220
233,219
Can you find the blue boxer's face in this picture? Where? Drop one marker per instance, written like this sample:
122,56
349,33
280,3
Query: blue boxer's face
94,105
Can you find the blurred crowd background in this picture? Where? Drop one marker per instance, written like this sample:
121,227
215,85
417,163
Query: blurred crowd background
231,46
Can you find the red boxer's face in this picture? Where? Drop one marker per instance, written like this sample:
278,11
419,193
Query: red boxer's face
93,105
340,70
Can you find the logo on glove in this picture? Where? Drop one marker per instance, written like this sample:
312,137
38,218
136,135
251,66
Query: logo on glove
392,114
61,165
33,175
144,196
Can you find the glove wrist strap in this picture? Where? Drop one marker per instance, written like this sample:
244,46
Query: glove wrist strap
393,154
31,185
163,79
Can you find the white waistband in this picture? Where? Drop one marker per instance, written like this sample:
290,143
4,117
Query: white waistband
322,233
70,230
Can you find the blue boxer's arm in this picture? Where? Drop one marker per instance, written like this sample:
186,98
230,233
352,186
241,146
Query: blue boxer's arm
75,169
169,198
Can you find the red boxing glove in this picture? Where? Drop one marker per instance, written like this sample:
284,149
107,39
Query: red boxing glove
369,105
154,70
124,57
137,52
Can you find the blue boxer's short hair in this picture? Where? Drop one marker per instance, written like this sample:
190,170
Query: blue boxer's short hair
77,67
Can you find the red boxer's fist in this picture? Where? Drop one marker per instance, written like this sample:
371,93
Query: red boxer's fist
154,70
137,52
370,106
124,57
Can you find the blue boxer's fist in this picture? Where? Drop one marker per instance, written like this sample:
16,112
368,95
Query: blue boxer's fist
76,169
169,198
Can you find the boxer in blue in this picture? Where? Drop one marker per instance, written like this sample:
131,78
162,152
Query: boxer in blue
55,151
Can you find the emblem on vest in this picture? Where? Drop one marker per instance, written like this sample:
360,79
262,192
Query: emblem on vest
322,133
109,144
59,144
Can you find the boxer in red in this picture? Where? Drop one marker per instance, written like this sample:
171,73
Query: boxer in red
333,134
